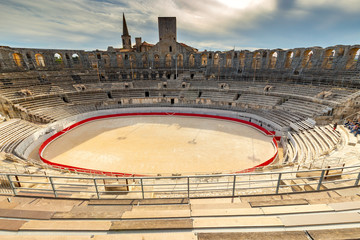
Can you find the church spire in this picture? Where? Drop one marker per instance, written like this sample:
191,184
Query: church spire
125,29
126,38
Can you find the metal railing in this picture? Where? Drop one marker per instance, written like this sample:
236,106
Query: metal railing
229,185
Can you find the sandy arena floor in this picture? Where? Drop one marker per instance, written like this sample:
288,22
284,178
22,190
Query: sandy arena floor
161,144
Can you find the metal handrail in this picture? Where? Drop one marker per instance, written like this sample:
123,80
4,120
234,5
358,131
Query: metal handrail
189,186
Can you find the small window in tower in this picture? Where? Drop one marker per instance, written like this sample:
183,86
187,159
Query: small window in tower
170,49
129,42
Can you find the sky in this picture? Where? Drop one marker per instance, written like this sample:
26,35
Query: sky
203,24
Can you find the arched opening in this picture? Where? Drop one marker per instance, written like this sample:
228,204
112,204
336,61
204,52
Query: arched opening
191,60
256,63
306,62
242,60
93,60
168,60
76,59
328,59
28,56
228,60
216,60
157,60
144,60
289,59
170,49
273,59
132,61
39,60
58,58
180,60
119,60
353,58
18,59
203,60
106,59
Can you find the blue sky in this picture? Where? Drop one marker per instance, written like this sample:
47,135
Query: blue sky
203,24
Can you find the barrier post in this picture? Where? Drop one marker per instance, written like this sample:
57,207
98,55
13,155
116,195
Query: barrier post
11,184
357,180
52,186
96,189
188,187
278,183
321,179
233,189
142,188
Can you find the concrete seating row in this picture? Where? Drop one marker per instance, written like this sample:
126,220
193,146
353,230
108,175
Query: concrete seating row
262,101
12,133
304,107
313,143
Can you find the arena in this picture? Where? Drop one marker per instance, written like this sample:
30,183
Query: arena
161,143
167,142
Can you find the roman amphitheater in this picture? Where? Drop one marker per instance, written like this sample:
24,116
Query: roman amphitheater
167,142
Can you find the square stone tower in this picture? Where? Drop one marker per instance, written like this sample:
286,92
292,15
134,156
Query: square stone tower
167,29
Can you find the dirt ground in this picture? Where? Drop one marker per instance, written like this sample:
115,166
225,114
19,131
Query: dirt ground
162,145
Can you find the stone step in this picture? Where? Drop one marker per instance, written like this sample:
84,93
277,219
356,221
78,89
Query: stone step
69,225
342,233
152,224
224,222
320,219
296,235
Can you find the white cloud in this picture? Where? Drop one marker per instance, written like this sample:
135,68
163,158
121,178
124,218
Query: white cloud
351,6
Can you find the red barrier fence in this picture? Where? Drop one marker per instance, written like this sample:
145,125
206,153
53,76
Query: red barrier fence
94,171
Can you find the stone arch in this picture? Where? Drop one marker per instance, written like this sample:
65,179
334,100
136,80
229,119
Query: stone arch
75,58
242,59
40,61
168,60
180,60
132,59
256,62
58,58
144,59
191,60
157,60
228,60
289,59
328,59
216,59
119,60
354,54
273,60
28,57
18,59
106,59
203,59
306,61
93,60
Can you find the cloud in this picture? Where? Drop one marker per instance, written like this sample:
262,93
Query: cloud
211,24
351,6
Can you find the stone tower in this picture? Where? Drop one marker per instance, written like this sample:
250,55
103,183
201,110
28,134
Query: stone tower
126,38
167,29
167,35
